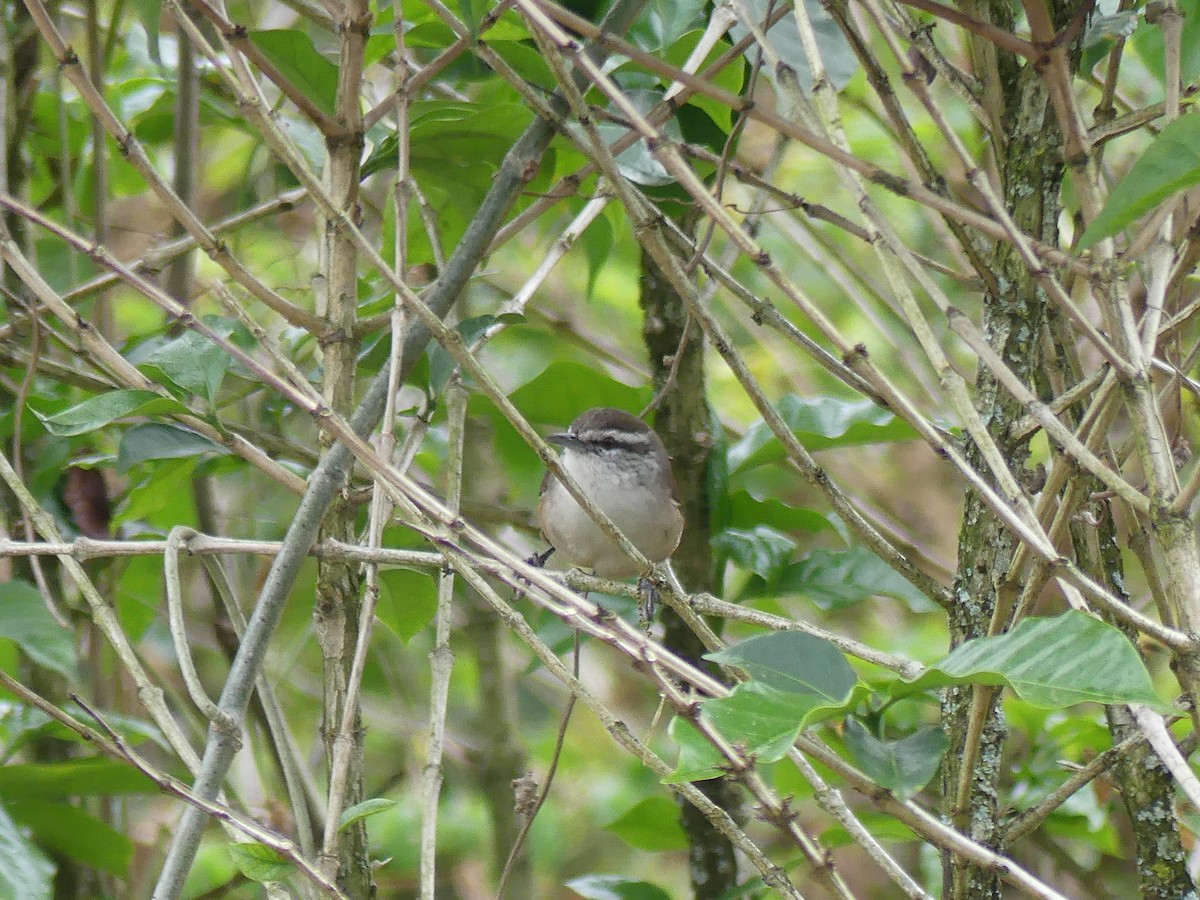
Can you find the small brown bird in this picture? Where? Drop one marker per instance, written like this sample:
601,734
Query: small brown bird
620,463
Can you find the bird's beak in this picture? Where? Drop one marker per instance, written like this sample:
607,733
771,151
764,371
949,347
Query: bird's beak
565,439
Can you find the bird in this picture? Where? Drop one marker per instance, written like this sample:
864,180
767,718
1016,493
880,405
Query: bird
622,465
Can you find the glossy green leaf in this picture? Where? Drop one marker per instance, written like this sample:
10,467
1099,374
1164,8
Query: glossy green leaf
362,810
157,440
651,824
99,411
565,389
819,424
91,776
1147,41
793,662
193,362
407,601
731,78
293,54
1049,662
75,834
25,871
259,862
761,549
25,620
839,60
902,766
697,760
442,364
746,511
615,887
1170,164
836,579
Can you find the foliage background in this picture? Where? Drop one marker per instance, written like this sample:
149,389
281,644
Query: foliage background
223,445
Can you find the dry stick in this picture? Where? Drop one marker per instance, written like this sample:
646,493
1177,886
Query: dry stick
774,811
926,824
107,355
1024,524
114,745
1028,821
35,351
106,620
441,659
178,629
300,785
446,336
831,801
899,186
136,155
328,475
766,311
540,801
1022,521
774,876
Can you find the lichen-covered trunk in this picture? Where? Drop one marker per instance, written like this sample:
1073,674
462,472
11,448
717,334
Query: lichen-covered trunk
685,425
1032,168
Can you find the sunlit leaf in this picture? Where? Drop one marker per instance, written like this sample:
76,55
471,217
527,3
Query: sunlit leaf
293,54
259,862
793,662
1170,164
835,579
360,811
99,411
407,601
1049,662
819,423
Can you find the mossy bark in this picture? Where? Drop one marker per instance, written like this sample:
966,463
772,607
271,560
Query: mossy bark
685,424
1032,169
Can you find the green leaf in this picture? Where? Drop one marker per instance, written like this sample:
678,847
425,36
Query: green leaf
652,824
193,362
761,550
698,760
1147,40
836,579
70,832
407,601
99,411
92,776
903,766
259,862
616,887
442,364
25,620
1049,662
793,662
764,721
565,389
25,871
293,54
730,78
784,37
1170,164
746,511
819,424
362,810
156,440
